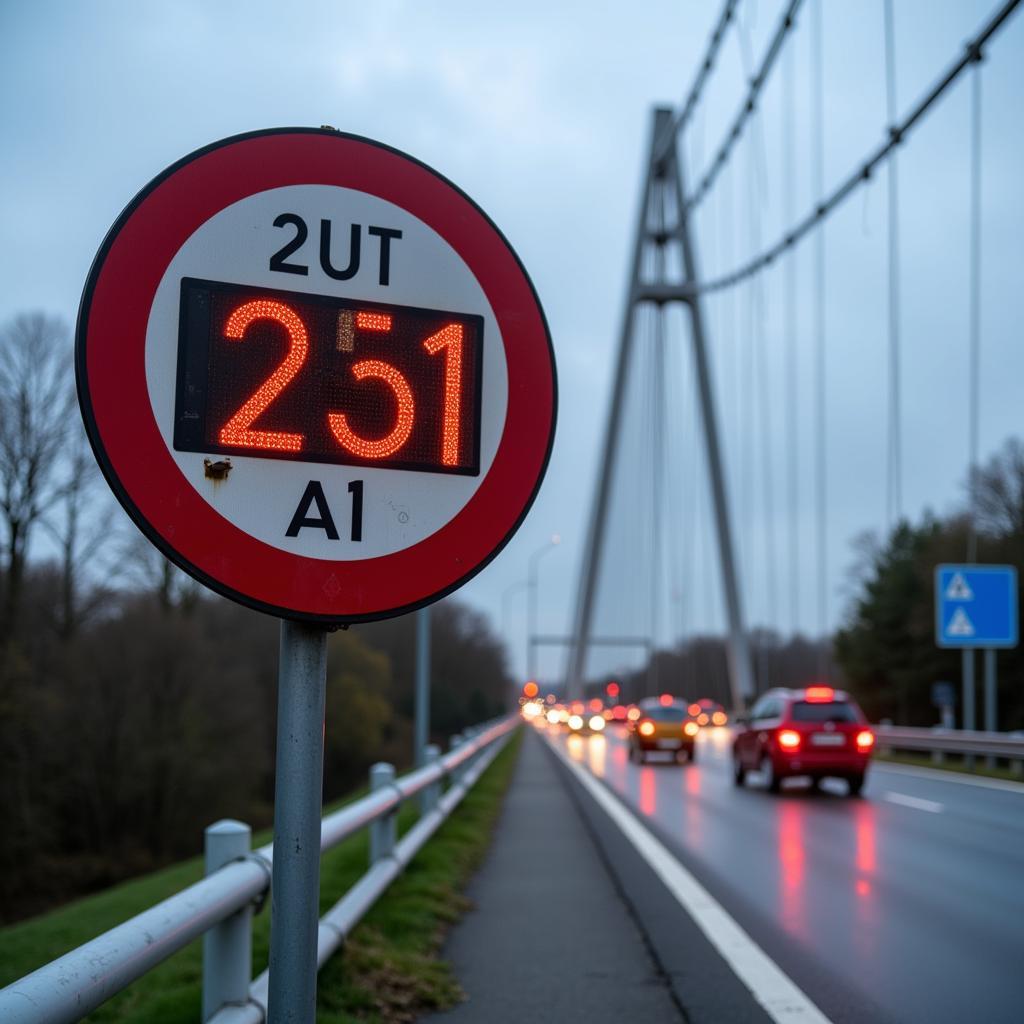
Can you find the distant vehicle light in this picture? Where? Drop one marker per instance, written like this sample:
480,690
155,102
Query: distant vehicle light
633,714
578,707
619,713
820,694
694,709
646,728
575,722
596,723
665,700
702,718
552,717
789,740
719,718
691,728
865,740
532,709
595,704
563,715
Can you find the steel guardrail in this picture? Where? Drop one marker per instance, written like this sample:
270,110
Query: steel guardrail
952,741
74,984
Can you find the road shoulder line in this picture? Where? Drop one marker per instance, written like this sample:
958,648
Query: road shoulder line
773,990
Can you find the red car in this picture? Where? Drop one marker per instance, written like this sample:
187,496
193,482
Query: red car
817,731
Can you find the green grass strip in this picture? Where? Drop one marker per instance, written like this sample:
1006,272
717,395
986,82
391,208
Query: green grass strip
388,971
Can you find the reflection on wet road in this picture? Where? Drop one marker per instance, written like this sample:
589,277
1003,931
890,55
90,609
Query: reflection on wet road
904,905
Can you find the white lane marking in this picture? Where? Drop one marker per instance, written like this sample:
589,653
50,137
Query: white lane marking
938,775
914,801
777,994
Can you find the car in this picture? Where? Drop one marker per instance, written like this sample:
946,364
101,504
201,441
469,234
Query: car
708,712
663,725
816,731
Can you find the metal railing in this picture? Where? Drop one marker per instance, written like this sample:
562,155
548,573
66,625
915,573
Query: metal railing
939,741
220,907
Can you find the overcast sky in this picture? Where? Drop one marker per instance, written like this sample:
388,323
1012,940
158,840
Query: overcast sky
540,112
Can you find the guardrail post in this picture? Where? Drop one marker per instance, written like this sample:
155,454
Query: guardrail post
227,947
453,744
1017,767
431,795
383,830
938,757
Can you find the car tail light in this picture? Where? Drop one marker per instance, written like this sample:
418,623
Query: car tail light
865,740
789,740
702,718
694,710
718,718
820,694
646,728
691,728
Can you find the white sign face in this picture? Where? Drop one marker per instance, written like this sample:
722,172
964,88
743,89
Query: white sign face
316,375
401,507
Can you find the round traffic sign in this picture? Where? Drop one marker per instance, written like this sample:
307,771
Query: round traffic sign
316,375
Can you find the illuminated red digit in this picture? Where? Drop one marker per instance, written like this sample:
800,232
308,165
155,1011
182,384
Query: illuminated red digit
236,431
373,321
450,339
379,448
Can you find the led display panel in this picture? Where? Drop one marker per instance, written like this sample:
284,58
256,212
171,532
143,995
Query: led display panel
274,374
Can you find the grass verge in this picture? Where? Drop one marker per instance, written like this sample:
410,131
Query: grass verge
950,764
389,970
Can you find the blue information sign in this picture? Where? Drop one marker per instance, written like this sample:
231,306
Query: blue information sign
976,606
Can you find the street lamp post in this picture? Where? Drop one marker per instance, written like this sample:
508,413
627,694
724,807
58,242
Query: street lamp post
510,591
531,611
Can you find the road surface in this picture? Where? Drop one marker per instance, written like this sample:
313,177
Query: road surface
906,905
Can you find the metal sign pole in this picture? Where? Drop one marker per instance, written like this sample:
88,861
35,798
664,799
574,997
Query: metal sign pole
298,794
422,723
967,713
991,715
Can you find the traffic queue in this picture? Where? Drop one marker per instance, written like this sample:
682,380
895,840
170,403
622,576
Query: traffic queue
813,732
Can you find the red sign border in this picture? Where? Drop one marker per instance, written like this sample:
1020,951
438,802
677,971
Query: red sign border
113,393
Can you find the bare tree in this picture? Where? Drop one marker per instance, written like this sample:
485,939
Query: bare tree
79,523
999,491
36,407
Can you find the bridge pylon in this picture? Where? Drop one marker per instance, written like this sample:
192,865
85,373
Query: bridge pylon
663,222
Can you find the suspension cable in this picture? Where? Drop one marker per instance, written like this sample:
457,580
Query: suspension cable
975,313
894,498
817,99
862,174
679,121
792,365
757,83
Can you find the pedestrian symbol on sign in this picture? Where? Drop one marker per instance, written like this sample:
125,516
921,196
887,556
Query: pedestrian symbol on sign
959,590
960,624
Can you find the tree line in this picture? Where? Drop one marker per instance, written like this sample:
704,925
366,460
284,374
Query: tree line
136,707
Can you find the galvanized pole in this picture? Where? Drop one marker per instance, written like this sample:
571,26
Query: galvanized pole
967,716
741,671
298,794
422,724
991,716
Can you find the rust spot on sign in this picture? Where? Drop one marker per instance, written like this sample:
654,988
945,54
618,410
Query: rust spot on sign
217,470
